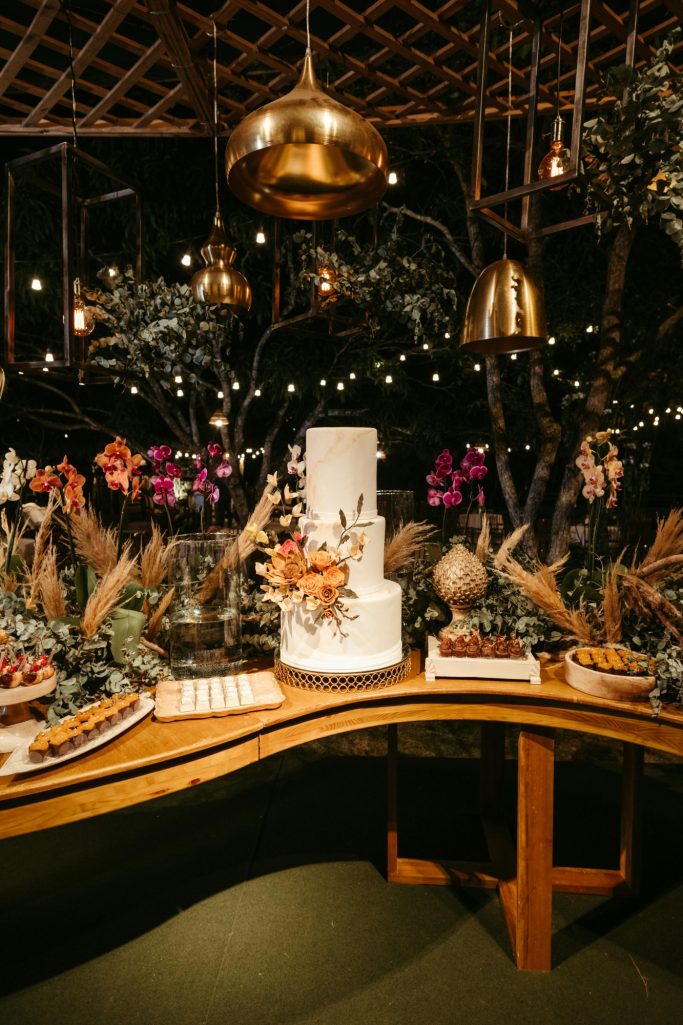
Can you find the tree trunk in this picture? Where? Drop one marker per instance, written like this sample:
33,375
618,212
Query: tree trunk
606,373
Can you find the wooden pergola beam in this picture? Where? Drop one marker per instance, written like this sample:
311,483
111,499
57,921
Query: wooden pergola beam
41,22
112,20
172,33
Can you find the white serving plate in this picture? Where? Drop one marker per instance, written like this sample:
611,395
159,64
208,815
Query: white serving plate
606,685
19,760
454,667
15,695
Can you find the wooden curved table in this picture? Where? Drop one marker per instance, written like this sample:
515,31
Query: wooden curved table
153,759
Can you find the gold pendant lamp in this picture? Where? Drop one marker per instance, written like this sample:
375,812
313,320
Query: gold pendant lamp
305,156
218,281
504,311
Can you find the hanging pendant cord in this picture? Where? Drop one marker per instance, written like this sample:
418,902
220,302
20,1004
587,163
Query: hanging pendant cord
507,142
215,114
67,11
559,63
308,26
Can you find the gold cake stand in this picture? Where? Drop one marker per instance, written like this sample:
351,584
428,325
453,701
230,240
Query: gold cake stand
371,679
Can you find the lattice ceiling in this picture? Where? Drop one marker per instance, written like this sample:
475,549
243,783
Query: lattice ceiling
144,67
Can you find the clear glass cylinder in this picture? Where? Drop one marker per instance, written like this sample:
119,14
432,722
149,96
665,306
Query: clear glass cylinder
397,508
205,634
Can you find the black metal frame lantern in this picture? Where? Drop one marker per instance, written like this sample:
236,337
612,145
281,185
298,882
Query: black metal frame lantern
484,205
76,207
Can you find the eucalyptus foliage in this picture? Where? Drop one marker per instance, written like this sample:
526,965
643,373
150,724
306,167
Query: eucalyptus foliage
633,152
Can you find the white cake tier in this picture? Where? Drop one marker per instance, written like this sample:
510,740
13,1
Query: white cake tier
372,641
341,465
366,574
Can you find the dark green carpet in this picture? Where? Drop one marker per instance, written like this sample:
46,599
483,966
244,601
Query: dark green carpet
261,900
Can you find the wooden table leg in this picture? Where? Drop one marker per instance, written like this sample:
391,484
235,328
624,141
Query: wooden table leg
631,833
392,802
536,754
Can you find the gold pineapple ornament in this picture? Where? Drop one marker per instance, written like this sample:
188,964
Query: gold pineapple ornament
460,580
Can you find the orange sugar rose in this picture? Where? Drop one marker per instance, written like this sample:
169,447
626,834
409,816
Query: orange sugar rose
327,594
320,560
335,576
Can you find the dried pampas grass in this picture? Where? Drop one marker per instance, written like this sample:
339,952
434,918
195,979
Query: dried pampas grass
540,587
668,543
611,604
154,622
403,548
48,586
154,560
94,543
484,540
103,599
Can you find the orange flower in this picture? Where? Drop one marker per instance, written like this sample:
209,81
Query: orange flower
327,594
335,576
45,481
285,571
120,467
320,560
67,469
74,499
310,583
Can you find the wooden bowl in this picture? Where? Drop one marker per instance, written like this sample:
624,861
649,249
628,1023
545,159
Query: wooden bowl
606,685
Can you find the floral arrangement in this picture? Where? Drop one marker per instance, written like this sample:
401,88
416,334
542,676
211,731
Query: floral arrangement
210,465
447,485
602,472
297,575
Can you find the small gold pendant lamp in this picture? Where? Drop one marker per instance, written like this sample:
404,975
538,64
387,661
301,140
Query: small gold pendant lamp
219,281
307,157
504,312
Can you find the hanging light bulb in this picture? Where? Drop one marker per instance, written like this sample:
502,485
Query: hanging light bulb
260,237
325,286
218,419
557,159
186,259
504,311
305,156
36,285
219,281
83,320
49,358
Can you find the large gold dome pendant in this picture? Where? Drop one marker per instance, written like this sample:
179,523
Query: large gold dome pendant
307,157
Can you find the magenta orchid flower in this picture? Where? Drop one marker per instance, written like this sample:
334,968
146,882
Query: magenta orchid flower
163,491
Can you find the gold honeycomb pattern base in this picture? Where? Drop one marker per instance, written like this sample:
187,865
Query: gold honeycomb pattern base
372,679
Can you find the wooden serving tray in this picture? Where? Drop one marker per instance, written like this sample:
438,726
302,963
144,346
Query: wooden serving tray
264,686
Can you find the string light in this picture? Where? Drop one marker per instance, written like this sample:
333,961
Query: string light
49,358
111,271
402,357
180,393
219,395
513,355
556,373
46,370
589,329
650,411
388,379
257,393
435,377
133,389
290,388
551,340
577,384
323,382
236,386
615,402
447,335
186,260
392,178
527,448
352,376
340,386
260,237
178,379
425,345
477,367
36,285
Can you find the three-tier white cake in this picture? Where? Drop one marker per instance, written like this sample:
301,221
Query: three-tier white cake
341,465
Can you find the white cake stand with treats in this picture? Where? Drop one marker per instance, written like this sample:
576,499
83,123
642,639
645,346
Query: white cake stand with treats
17,725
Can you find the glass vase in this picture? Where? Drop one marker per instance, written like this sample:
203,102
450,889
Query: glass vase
205,633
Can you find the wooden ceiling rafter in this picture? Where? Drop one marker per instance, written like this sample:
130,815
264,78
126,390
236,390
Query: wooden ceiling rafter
144,66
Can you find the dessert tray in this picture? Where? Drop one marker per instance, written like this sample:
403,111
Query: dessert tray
467,668
609,672
27,691
217,695
20,760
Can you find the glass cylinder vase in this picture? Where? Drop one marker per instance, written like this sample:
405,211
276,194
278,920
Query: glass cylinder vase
205,633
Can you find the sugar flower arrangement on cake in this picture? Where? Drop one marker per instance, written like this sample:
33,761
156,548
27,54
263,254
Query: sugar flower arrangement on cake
296,574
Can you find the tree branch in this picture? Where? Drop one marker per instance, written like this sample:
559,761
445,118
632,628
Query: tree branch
457,250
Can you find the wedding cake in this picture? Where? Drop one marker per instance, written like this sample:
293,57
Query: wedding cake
341,466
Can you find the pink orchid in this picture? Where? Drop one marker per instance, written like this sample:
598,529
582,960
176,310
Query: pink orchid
174,471
481,498
478,472
163,491
452,497
224,469
159,453
214,449
434,497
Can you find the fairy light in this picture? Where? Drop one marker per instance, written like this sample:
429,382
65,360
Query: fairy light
402,358
589,329
477,367
513,355
352,376
178,378
133,389
615,402
577,384
323,382
257,393
49,358
551,340
425,345
36,284
260,237
186,259
111,271
290,388
236,386
46,370
527,448
219,394
650,411
435,377
677,416
668,409
556,372
340,386
180,393
388,379
392,178
447,335
641,423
